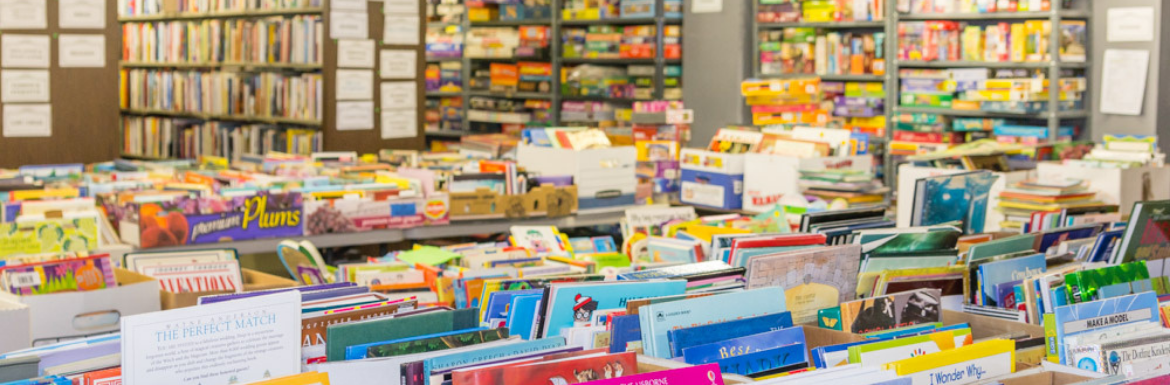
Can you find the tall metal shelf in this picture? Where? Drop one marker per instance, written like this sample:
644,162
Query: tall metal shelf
1054,116
556,58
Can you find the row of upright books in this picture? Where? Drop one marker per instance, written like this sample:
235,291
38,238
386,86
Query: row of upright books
1017,42
158,7
162,137
808,51
273,40
273,95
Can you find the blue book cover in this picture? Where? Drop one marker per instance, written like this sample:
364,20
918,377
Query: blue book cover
625,329
705,334
703,354
604,244
469,358
741,257
1092,316
1103,248
582,245
498,305
522,316
676,271
764,360
658,319
537,137
947,199
357,352
573,304
992,274
1005,294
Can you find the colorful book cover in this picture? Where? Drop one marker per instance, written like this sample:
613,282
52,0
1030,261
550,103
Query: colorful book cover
309,378
831,356
705,334
430,344
687,270
658,319
709,374
968,364
1087,317
574,370
493,285
103,377
523,315
624,331
992,274
445,363
1148,233
360,351
781,359
891,311
342,336
74,274
48,236
498,305
881,353
198,277
573,304
958,198
713,352
813,279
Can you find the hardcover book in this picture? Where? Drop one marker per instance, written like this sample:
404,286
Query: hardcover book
813,279
430,344
705,334
573,370
344,335
891,311
658,319
198,277
713,352
949,199
1077,319
777,360
1147,234
993,274
709,374
573,304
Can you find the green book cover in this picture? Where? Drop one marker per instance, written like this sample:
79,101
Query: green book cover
437,343
1009,245
343,335
906,347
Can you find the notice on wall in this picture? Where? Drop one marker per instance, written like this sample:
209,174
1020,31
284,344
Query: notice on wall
353,116
28,120
345,24
355,85
81,51
355,53
399,124
707,6
401,30
81,14
399,95
1123,81
399,64
23,14
24,86
401,7
240,341
24,51
1130,24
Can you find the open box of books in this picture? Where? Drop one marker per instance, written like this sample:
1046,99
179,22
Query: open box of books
543,201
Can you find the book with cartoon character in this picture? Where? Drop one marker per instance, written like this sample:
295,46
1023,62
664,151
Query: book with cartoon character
541,240
573,370
573,304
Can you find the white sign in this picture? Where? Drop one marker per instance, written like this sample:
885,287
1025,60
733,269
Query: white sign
355,85
353,5
23,14
1130,24
401,30
401,7
81,14
349,25
353,53
24,51
399,124
399,95
81,51
24,86
355,116
240,341
1123,83
399,64
28,120
707,6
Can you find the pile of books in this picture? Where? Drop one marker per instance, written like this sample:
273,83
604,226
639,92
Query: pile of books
791,102
156,137
630,82
509,78
1125,151
856,187
291,40
659,131
1032,205
525,42
262,95
999,90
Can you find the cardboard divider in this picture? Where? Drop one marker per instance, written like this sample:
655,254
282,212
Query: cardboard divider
1045,378
253,281
987,327
544,201
15,318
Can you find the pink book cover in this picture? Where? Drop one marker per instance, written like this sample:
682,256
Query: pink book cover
694,375
573,370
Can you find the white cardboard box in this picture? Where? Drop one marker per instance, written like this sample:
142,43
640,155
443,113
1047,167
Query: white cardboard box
1122,187
14,317
61,316
908,174
767,177
605,177
711,179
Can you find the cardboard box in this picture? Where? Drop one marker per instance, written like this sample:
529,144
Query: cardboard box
173,223
543,201
605,177
15,318
253,281
62,316
368,213
988,327
1045,378
767,177
1121,187
908,175
712,179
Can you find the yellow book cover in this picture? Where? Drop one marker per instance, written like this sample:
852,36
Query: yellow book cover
1019,42
671,230
960,365
307,378
35,195
705,233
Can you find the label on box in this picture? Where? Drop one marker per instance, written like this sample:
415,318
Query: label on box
24,279
702,194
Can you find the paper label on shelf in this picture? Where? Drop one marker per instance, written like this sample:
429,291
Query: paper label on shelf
1129,24
28,120
355,53
24,51
355,85
81,51
399,95
401,30
399,124
399,64
355,116
23,14
24,86
81,14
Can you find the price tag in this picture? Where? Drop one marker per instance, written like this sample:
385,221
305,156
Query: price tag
25,279
680,116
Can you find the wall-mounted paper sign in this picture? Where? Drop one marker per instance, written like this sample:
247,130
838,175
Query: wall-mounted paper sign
28,120
399,95
399,124
355,116
81,51
1129,24
1123,86
24,51
24,86
355,53
23,14
399,64
349,25
356,5
81,14
401,30
355,85
401,7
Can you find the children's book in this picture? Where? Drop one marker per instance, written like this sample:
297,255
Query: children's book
1147,233
523,315
1088,317
968,364
54,276
197,277
573,304
693,375
766,362
573,370
890,311
432,343
705,334
702,354
542,240
992,274
658,319
498,305
813,279
881,353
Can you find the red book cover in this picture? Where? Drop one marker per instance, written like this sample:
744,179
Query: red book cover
574,370
103,377
485,375
778,241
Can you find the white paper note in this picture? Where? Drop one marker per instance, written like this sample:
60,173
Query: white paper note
353,53
1123,83
355,116
23,14
244,341
81,14
399,124
81,51
353,5
349,25
401,30
707,6
28,120
399,64
1130,24
24,86
399,95
355,85
24,51
400,7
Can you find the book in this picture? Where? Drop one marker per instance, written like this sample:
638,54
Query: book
448,362
103,377
625,330
708,268
823,277
880,353
992,274
702,354
1146,234
950,199
198,277
341,336
891,311
542,240
657,319
523,315
709,374
983,360
307,378
573,370
314,327
573,304
685,337
432,343
61,275
1076,319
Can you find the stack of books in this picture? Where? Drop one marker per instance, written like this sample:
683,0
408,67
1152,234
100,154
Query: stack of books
1032,205
856,187
785,102
1125,151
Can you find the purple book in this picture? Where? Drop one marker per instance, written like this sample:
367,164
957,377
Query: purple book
308,293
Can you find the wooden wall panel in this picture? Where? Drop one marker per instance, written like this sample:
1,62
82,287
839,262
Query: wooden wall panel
84,100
